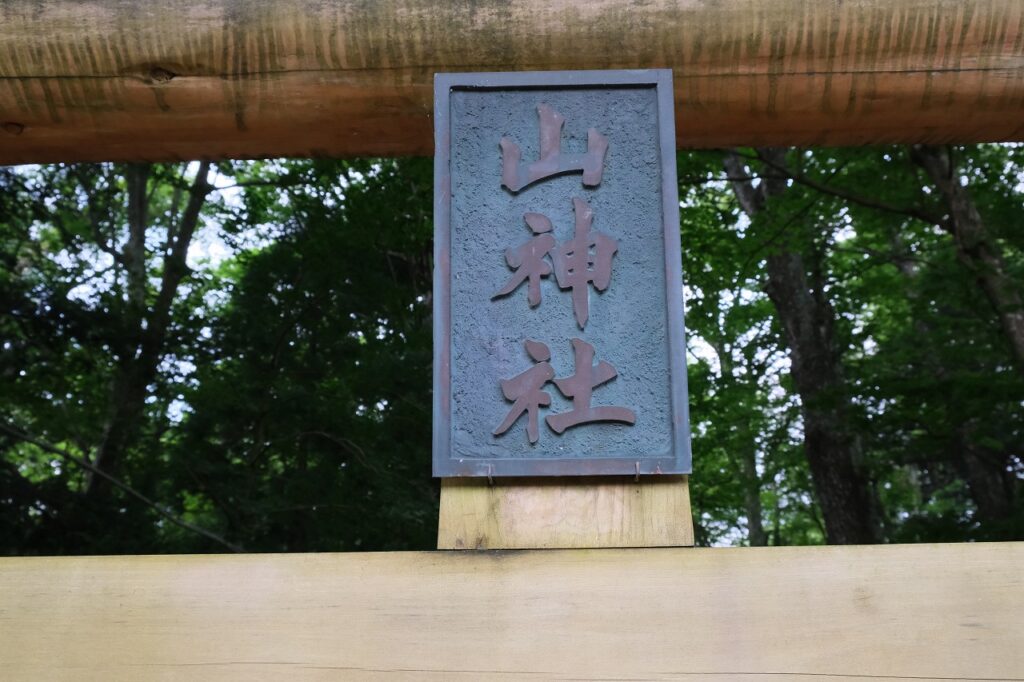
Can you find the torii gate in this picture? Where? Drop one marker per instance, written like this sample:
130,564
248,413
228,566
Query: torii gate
105,80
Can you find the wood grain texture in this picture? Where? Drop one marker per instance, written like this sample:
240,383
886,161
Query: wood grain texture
549,513
829,613
108,79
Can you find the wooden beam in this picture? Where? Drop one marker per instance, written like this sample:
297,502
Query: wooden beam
550,513
831,613
178,79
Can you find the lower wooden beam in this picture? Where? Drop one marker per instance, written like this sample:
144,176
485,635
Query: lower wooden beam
556,513
827,613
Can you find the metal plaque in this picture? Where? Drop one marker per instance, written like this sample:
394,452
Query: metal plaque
558,314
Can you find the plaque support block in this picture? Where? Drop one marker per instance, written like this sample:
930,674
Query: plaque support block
564,513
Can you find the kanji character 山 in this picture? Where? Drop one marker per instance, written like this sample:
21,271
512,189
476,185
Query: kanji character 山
515,174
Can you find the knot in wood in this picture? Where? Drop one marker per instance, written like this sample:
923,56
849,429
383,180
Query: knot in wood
161,75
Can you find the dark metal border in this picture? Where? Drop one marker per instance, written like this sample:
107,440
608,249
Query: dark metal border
444,466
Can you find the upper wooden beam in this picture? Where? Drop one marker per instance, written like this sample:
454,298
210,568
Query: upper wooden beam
827,613
180,79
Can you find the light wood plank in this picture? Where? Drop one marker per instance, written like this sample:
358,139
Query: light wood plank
235,78
830,613
539,513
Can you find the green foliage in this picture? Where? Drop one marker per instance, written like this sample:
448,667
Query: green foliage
290,407
937,395
308,424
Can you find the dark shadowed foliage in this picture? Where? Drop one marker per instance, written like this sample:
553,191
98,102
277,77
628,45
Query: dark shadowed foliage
201,359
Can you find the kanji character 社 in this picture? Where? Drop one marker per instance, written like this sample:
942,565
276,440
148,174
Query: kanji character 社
580,388
524,390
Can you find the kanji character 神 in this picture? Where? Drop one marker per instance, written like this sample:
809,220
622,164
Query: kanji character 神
528,260
576,267
583,260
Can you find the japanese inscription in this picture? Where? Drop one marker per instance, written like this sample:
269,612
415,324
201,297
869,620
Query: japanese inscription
524,390
515,174
564,197
583,260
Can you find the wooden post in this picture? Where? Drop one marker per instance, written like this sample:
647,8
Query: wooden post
538,513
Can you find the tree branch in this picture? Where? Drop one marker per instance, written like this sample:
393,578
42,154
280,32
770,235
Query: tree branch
911,211
166,513
96,214
175,266
280,182
749,198
137,176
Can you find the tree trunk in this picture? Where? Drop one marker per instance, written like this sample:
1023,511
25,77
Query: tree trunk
145,325
974,246
752,498
986,473
747,447
128,393
832,448
807,321
988,481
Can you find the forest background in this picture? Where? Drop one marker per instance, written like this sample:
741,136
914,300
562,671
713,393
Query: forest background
203,357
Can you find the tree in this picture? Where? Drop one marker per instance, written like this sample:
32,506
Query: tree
796,287
309,420
750,472
103,252
266,401
257,376
916,335
975,247
916,213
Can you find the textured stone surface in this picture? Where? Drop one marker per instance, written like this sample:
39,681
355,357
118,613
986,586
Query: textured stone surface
627,324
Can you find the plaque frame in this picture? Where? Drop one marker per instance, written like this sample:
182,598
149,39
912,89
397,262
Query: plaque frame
679,460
